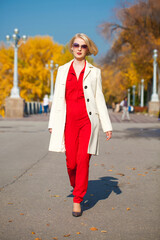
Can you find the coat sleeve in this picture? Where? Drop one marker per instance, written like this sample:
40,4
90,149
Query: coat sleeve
54,100
101,105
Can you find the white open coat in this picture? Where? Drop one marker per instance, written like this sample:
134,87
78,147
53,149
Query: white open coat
95,104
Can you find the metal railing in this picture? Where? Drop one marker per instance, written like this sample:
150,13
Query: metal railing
32,108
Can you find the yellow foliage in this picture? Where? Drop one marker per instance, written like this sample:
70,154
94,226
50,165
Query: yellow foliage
33,77
130,58
6,74
34,55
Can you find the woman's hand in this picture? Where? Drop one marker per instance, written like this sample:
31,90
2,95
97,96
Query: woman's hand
50,130
108,135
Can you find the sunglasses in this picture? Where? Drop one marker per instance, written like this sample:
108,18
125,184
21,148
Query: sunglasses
76,45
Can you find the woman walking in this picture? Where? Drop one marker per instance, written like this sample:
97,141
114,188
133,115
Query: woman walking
45,104
77,108
125,109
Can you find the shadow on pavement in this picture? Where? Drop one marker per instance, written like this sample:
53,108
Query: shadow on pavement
143,132
99,190
137,133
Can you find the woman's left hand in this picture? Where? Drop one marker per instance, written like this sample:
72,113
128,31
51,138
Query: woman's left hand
108,135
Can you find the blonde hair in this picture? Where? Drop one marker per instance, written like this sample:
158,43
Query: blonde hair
92,48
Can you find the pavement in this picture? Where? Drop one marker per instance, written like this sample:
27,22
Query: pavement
122,201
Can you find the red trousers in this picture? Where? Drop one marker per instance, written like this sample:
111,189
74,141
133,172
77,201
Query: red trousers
77,135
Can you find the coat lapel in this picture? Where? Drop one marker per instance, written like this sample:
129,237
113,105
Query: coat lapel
65,72
87,70
66,69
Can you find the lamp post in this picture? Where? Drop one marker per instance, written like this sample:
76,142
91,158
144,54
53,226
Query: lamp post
128,97
52,72
142,93
154,97
16,38
133,94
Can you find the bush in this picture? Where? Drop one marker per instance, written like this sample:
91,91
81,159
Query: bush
141,109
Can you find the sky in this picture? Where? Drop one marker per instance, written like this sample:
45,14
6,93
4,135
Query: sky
60,19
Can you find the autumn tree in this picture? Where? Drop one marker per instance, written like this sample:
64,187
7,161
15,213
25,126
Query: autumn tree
33,77
133,36
6,74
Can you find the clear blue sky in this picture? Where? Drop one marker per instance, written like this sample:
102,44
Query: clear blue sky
60,19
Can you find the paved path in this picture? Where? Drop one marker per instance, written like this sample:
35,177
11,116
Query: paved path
134,118
122,201
115,117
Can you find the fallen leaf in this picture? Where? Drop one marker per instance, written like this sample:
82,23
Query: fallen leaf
146,172
128,209
55,238
141,174
91,195
38,239
95,164
135,205
93,229
113,208
10,221
121,174
33,232
102,165
133,168
10,203
56,196
21,214
67,235
47,224
110,170
103,231
49,209
84,224
78,233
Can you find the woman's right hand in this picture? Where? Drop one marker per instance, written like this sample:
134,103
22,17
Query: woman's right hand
50,130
